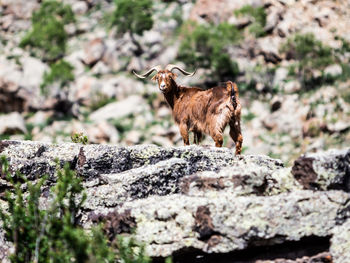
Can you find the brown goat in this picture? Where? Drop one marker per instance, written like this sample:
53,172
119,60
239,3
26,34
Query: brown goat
201,111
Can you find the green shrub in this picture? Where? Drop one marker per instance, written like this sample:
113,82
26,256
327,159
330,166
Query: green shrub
130,251
49,8
53,234
310,55
345,94
60,72
45,235
124,125
48,37
258,16
345,47
48,41
249,116
204,46
99,100
345,72
307,49
133,16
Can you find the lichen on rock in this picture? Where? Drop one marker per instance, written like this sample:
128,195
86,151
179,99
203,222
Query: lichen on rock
186,200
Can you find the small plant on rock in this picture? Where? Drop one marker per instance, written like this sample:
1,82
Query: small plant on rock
79,138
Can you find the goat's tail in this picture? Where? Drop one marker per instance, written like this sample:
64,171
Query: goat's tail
233,89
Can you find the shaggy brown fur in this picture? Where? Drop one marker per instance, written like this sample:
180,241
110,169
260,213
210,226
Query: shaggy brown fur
203,111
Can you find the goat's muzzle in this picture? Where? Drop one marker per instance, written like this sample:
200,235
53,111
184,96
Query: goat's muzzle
162,87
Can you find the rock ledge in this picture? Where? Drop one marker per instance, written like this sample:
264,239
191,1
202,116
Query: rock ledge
194,200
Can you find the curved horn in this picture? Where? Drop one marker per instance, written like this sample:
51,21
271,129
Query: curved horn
171,67
145,75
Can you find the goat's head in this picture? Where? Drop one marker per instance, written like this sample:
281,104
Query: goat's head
164,77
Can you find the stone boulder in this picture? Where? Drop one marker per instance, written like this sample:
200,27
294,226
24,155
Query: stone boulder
324,171
120,109
94,51
12,123
203,202
340,248
218,11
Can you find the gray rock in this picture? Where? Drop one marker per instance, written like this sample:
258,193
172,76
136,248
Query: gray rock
218,11
333,70
152,37
340,243
162,141
287,114
273,18
100,69
93,160
324,171
116,110
292,86
133,137
10,100
323,257
183,199
75,59
103,132
15,93
125,86
86,90
136,63
269,48
6,21
40,118
94,51
280,75
243,178
240,22
33,71
12,123
20,9
339,126
220,223
79,7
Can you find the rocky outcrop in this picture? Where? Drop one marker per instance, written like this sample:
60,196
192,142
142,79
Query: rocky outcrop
105,100
203,201
340,248
324,171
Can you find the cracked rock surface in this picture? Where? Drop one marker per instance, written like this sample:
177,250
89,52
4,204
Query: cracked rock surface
194,200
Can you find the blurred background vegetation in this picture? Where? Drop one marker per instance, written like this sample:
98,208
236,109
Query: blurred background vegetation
65,69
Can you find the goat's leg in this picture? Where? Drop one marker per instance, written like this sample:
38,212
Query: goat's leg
197,137
236,135
184,134
218,139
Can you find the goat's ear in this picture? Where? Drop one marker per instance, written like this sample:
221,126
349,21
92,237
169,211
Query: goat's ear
154,78
173,75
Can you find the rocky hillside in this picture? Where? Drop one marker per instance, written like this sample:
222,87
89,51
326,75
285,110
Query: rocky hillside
203,203
290,59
